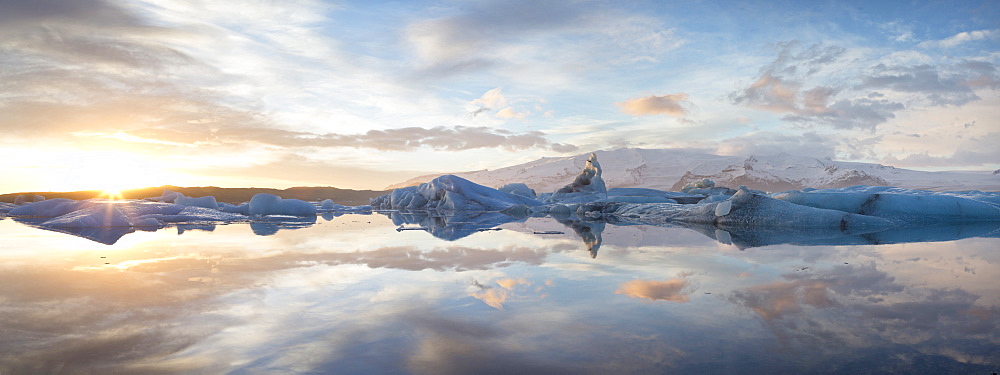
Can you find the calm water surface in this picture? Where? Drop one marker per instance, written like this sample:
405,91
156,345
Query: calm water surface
353,294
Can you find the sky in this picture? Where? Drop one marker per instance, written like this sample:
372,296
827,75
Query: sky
111,94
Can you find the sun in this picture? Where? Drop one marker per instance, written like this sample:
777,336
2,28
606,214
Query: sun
112,172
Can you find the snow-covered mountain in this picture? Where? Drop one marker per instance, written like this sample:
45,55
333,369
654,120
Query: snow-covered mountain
670,169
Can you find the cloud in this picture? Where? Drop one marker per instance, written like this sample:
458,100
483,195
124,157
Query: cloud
672,290
961,38
548,36
801,85
655,105
765,143
456,138
940,85
975,151
782,88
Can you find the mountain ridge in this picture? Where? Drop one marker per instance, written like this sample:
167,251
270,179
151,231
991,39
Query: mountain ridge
670,169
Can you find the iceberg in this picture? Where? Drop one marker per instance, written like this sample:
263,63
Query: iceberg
327,206
902,206
206,202
91,216
587,186
450,193
743,209
270,204
48,208
23,199
519,188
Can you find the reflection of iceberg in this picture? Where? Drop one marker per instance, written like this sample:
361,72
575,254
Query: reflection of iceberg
589,232
83,218
104,235
450,193
748,237
269,225
453,226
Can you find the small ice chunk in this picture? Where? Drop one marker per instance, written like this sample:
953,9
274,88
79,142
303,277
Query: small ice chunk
327,204
723,208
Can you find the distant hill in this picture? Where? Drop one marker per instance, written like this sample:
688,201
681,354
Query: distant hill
345,197
670,169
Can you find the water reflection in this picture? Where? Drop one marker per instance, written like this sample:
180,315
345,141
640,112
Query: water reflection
452,226
353,295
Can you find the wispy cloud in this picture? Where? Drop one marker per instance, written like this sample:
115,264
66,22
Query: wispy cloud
456,138
962,38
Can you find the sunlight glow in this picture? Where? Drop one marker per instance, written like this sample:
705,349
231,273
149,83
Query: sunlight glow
107,171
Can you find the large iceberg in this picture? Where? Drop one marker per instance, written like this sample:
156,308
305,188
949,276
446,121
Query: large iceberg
902,206
743,209
450,193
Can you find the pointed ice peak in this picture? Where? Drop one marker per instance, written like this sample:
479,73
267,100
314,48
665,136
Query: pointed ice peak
588,182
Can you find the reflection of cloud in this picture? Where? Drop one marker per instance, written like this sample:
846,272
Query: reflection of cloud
493,297
496,297
848,305
667,290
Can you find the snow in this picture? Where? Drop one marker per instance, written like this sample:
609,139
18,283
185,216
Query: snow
671,169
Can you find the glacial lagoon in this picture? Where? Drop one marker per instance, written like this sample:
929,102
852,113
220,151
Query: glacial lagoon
391,293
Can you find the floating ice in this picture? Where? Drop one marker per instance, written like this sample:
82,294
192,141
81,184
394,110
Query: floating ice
27,198
270,204
327,205
91,216
519,188
450,193
168,196
902,205
587,186
206,202
48,208
744,209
